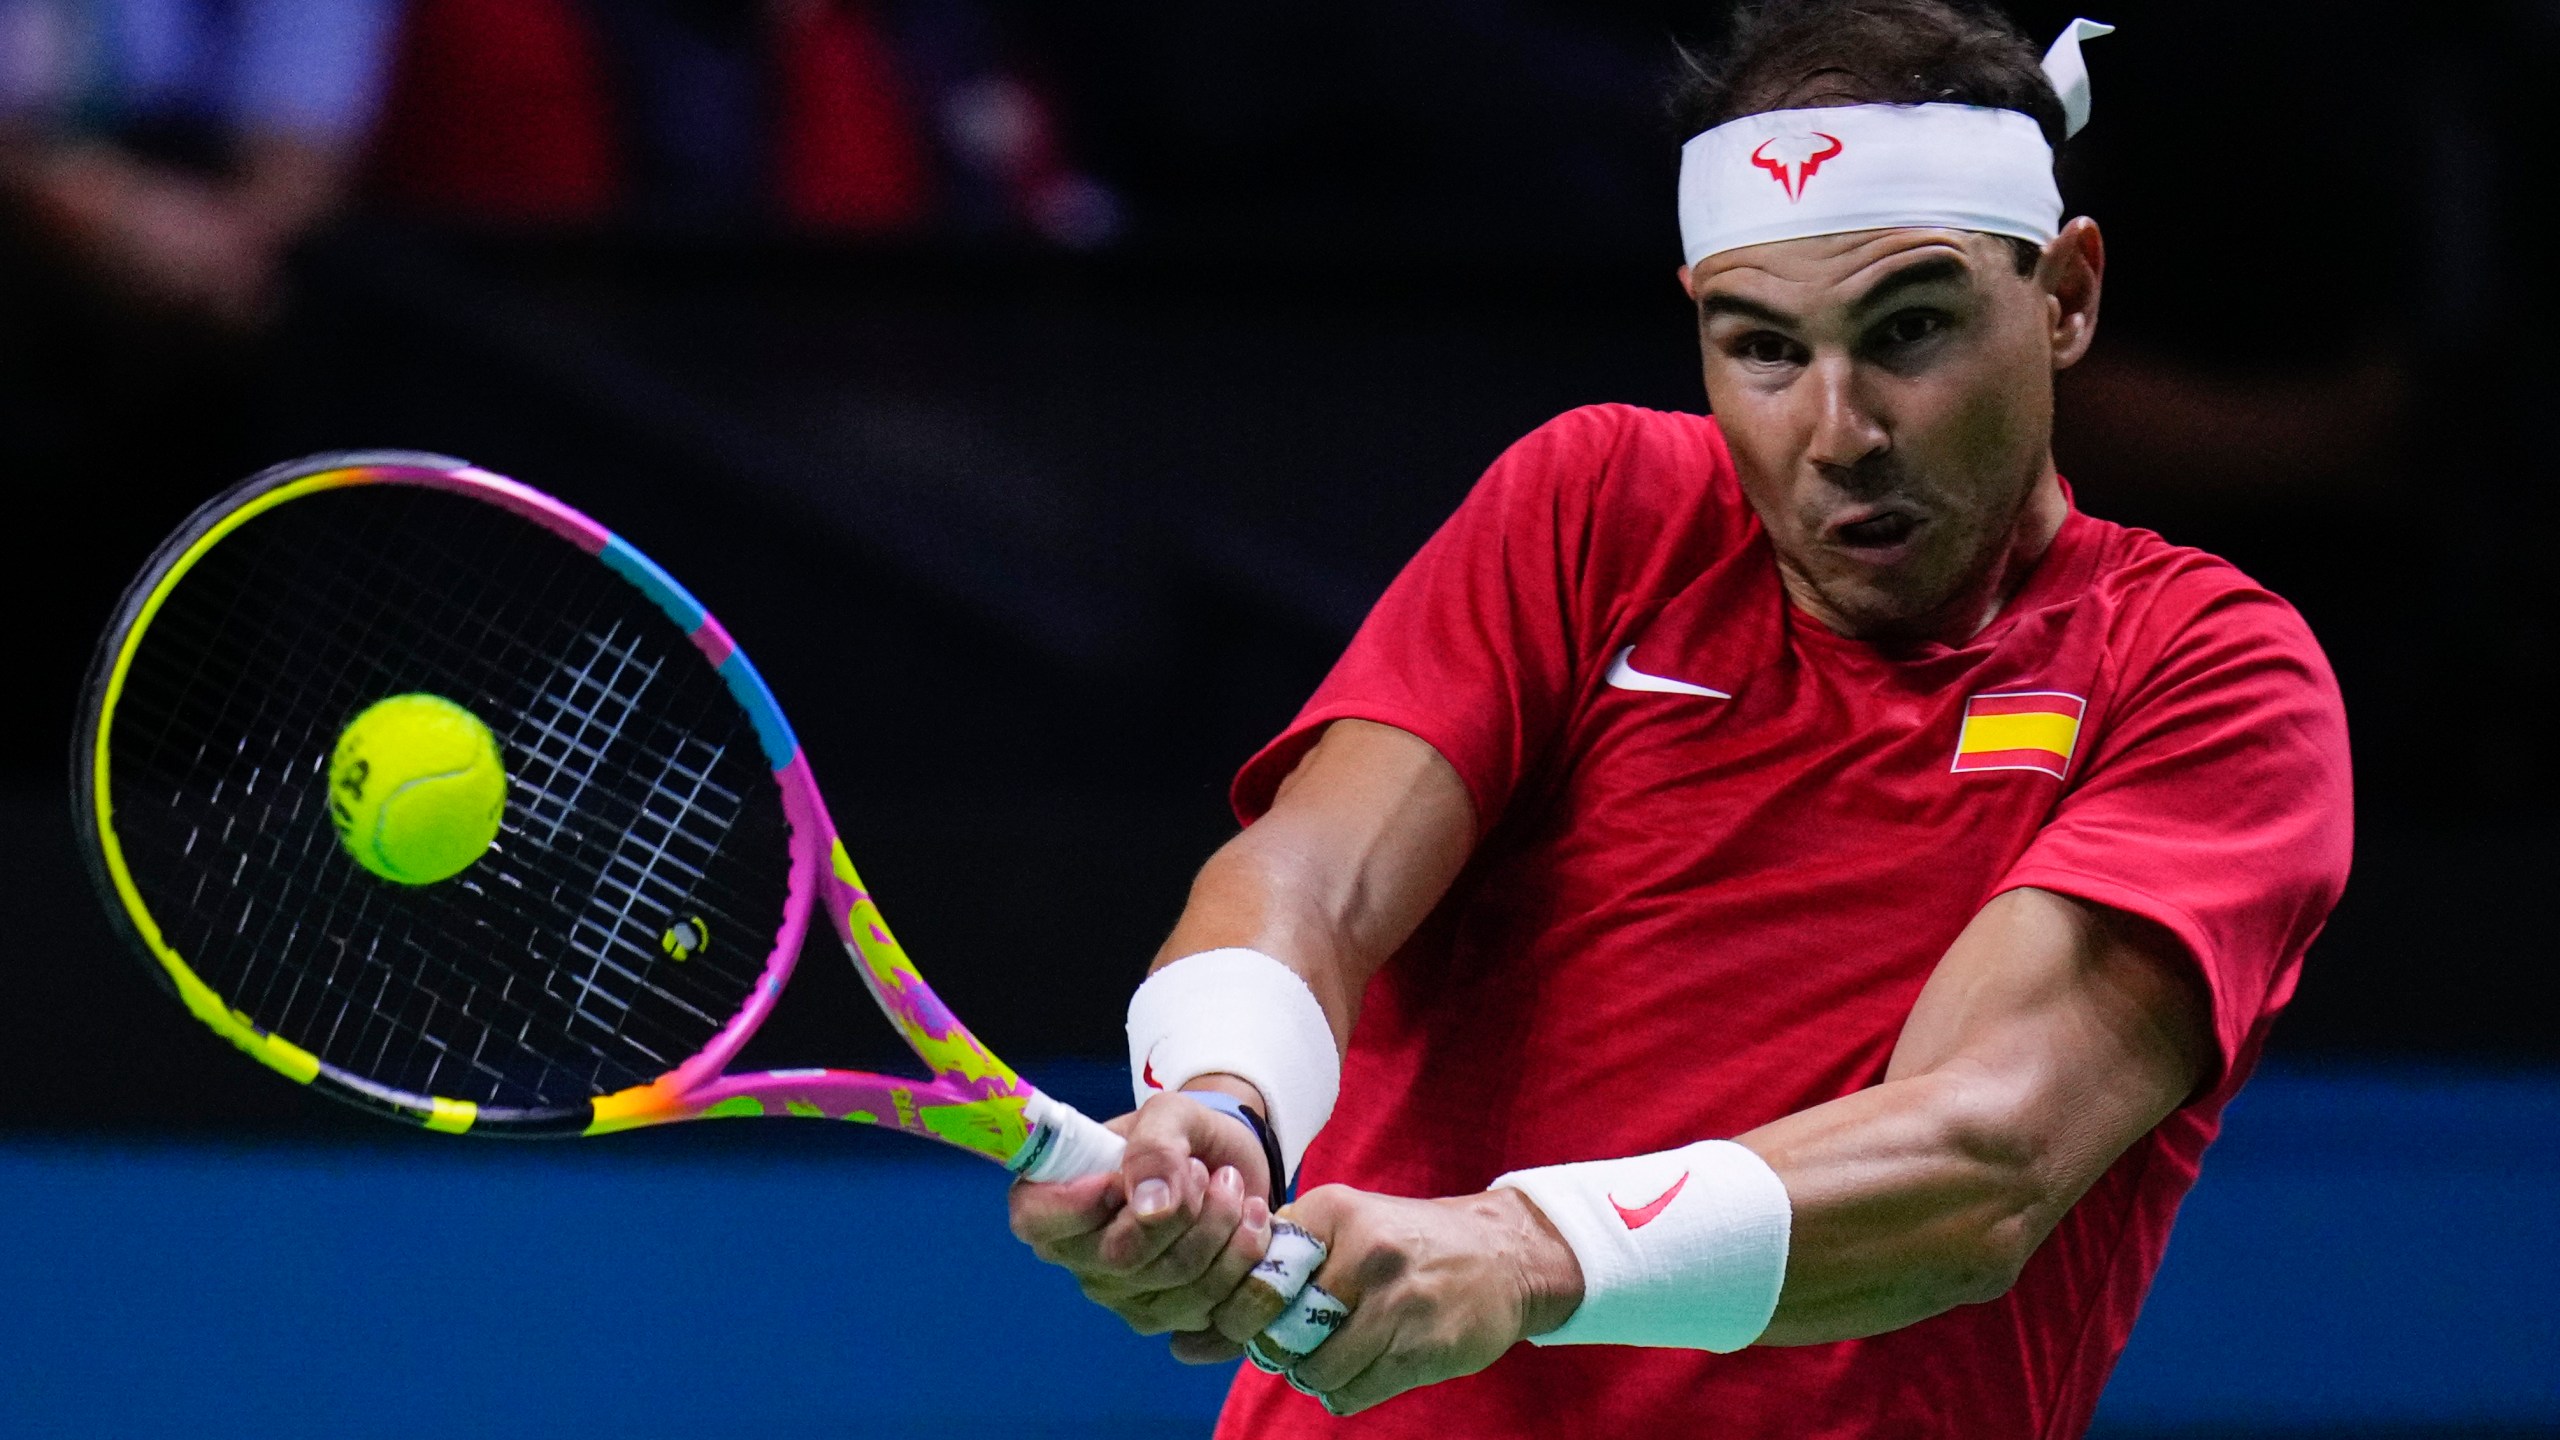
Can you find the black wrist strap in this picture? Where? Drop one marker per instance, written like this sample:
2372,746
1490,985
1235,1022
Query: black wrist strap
1226,1104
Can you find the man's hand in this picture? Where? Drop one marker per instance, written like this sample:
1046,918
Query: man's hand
1436,1289
1164,1241
1361,842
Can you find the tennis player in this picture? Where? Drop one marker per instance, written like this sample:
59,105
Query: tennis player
1770,908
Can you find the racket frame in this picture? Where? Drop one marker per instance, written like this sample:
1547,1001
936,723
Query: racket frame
973,1101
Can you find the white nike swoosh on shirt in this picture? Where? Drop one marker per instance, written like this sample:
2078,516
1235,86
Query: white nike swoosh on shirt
1625,676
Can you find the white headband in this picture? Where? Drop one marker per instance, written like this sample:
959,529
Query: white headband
1788,174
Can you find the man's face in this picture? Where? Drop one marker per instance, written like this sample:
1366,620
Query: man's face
1888,397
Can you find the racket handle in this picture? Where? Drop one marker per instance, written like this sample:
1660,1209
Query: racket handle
1065,1143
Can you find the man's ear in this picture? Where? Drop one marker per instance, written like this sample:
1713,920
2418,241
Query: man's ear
2072,273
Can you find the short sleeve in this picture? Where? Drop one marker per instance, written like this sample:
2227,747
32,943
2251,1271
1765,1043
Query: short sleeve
1474,646
2217,802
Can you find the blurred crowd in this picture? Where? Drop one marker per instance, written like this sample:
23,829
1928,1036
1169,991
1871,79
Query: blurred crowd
1181,324
2321,301
176,150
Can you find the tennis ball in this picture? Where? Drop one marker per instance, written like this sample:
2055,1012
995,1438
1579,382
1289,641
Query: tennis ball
416,788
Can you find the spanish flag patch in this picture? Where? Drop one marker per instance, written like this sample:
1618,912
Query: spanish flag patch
2020,730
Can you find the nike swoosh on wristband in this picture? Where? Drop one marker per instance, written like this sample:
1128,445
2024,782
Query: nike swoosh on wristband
1148,1071
1625,676
1642,1216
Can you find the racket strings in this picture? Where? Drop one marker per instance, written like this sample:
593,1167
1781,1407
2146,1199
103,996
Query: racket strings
645,866
637,801
632,870
416,1019
370,982
344,980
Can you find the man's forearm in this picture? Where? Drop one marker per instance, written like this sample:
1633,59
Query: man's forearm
1363,839
2053,1035
1851,1218
1254,894
1909,1199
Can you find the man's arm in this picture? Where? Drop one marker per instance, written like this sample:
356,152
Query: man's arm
2052,1036
1363,839
1361,842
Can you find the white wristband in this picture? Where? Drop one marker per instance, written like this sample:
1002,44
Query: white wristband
1682,1248
1238,1012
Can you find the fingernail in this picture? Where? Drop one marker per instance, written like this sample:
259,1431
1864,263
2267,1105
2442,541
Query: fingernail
1151,1198
1257,1212
1229,1178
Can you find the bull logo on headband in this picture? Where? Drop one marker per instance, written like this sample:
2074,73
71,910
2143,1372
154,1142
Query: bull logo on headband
1791,160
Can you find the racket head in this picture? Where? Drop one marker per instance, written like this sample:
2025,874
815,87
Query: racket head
515,996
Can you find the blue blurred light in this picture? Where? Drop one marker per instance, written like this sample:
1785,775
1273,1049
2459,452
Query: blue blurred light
2366,1251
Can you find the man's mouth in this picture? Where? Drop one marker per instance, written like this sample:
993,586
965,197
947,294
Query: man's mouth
1875,535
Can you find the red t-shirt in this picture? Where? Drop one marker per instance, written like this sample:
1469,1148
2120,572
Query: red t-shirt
1692,914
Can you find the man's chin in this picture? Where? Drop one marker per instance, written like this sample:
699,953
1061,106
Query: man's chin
1862,609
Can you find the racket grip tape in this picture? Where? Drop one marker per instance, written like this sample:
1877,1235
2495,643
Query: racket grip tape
1064,1144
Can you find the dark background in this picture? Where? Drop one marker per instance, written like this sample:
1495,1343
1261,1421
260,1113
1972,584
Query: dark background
1037,538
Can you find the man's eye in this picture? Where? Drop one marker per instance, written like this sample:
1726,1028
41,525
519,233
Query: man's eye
1913,326
1762,347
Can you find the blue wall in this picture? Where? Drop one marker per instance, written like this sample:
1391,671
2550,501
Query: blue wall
2371,1250
2365,1251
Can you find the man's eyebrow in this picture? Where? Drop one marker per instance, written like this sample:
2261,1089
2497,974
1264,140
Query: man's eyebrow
1933,271
1711,306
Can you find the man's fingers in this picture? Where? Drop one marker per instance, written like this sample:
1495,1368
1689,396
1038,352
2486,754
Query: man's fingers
1043,1216
1336,1353
1320,1338
1300,1240
1307,1329
1387,1376
1164,1178
1204,1347
1131,1241
1244,1251
1204,1244
1162,1141
1323,1341
1186,1307
1290,1255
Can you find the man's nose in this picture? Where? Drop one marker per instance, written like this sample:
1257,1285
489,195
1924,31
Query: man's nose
1846,434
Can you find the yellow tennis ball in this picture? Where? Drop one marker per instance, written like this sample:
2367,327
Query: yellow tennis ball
416,788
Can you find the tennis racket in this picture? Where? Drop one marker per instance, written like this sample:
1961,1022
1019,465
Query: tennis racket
661,846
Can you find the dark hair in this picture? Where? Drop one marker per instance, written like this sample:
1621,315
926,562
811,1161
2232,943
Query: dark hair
1803,54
